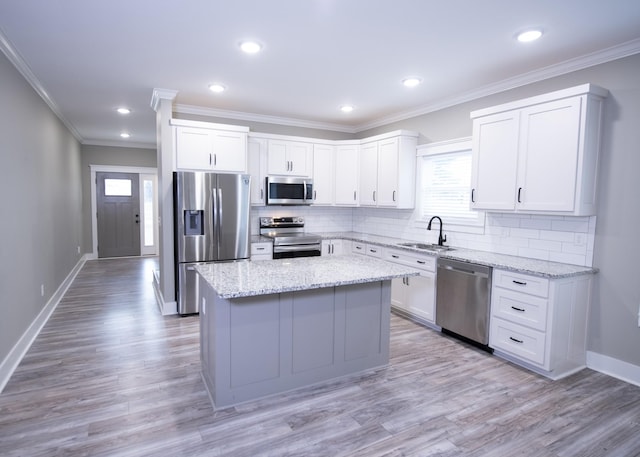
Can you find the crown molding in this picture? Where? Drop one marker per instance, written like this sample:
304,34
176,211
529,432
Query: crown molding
162,94
267,119
579,63
16,59
120,144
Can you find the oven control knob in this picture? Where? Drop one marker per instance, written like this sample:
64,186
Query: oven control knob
299,220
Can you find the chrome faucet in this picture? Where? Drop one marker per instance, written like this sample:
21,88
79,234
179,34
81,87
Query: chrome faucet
441,239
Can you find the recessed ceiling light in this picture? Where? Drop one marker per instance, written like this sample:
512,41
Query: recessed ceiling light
346,108
529,35
217,88
411,82
250,47
125,135
123,110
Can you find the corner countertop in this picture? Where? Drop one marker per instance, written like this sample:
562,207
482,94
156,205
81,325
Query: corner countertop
245,279
543,268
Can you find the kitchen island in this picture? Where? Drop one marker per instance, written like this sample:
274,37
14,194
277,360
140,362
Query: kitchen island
273,326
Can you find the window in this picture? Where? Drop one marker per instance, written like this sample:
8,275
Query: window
117,187
445,185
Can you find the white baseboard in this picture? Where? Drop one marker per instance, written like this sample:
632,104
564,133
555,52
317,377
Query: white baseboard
12,360
166,308
613,367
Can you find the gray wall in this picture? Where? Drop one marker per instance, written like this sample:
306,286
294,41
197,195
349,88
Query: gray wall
106,155
41,202
613,325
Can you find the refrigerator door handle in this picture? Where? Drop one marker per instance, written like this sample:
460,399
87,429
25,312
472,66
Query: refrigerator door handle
219,213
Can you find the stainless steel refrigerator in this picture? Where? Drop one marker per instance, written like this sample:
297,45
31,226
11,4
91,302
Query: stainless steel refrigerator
211,224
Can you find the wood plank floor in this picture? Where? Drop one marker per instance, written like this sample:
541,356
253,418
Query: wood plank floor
109,376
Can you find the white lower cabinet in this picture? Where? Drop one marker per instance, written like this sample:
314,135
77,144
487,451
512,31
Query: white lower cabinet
540,323
335,247
262,251
414,295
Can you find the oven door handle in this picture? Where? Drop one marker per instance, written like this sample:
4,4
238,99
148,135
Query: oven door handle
296,247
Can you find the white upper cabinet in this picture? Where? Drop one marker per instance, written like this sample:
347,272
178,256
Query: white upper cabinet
289,158
257,167
368,173
346,172
494,161
210,147
323,182
539,155
387,170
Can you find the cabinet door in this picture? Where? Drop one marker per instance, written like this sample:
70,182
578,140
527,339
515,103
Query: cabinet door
398,293
194,148
549,149
346,175
326,247
368,174
257,164
495,160
322,174
277,162
387,192
300,158
421,298
230,151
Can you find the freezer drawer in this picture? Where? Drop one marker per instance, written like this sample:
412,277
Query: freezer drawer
188,289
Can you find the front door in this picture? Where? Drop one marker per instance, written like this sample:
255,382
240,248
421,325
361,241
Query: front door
118,202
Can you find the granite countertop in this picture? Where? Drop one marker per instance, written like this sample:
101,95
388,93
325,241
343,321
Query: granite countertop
245,279
543,268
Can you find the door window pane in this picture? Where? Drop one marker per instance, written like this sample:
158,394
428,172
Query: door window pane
148,212
117,187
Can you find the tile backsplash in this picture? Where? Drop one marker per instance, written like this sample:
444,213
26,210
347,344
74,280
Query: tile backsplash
564,239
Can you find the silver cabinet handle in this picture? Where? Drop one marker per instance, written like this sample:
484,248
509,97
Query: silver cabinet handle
394,196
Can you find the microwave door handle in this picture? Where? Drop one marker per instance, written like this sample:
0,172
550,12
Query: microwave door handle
304,195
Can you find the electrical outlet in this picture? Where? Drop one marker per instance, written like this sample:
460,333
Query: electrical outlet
78,249
42,290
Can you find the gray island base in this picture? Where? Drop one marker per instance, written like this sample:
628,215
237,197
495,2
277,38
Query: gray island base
316,319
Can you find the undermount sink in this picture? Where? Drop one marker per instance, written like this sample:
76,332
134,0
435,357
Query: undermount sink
425,246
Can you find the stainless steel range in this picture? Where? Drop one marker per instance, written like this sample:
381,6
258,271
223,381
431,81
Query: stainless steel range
289,238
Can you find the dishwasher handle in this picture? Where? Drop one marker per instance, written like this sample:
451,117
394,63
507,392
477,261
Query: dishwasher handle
470,270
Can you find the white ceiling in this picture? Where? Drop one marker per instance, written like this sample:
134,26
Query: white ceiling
86,58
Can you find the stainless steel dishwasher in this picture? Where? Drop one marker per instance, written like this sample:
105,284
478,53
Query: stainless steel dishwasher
463,293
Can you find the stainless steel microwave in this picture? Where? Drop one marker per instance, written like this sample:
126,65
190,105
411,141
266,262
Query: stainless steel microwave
283,190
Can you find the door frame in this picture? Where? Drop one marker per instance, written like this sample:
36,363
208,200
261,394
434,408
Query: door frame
94,205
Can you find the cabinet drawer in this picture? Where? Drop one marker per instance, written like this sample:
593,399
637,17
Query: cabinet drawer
374,251
517,340
519,308
358,248
426,262
261,248
521,283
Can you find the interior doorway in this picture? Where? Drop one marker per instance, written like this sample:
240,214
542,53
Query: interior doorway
125,220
